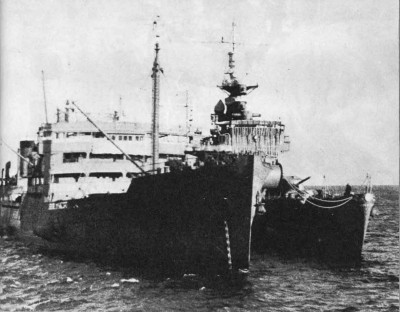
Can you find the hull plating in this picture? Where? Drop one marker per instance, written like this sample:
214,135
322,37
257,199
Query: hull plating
334,235
9,217
193,220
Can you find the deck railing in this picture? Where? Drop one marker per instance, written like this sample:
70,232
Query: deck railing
256,139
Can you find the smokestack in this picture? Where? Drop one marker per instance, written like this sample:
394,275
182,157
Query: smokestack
25,148
8,166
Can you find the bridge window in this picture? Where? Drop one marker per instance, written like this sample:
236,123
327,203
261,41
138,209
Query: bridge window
71,134
33,181
105,175
67,177
134,175
106,156
98,135
73,157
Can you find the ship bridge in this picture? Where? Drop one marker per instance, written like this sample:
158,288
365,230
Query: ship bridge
234,127
249,137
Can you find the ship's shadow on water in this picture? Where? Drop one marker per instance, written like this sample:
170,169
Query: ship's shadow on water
151,278
222,281
152,269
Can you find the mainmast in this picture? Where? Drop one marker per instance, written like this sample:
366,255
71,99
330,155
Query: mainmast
189,117
231,71
156,109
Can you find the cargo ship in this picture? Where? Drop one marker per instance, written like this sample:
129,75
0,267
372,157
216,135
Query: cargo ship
72,159
195,216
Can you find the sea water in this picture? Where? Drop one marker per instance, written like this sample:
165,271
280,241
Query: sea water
36,280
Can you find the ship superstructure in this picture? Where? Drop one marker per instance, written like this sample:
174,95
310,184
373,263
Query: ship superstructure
77,160
72,159
237,130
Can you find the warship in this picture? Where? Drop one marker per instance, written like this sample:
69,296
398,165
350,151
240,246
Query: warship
297,222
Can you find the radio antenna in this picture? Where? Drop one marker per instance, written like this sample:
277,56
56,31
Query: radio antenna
233,37
44,97
189,116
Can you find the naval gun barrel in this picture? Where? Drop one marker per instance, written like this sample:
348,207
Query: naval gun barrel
109,139
302,181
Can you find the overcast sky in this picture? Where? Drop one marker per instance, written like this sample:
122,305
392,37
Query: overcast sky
328,69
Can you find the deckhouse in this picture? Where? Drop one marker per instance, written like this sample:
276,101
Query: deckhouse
73,159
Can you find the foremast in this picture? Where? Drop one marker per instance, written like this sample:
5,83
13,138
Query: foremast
236,109
156,109
236,130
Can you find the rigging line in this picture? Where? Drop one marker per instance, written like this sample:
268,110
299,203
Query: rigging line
330,201
296,189
109,139
99,115
44,96
15,152
366,180
302,194
337,206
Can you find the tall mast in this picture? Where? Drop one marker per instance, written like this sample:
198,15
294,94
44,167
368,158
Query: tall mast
231,84
120,106
156,108
189,117
231,70
44,96
233,36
